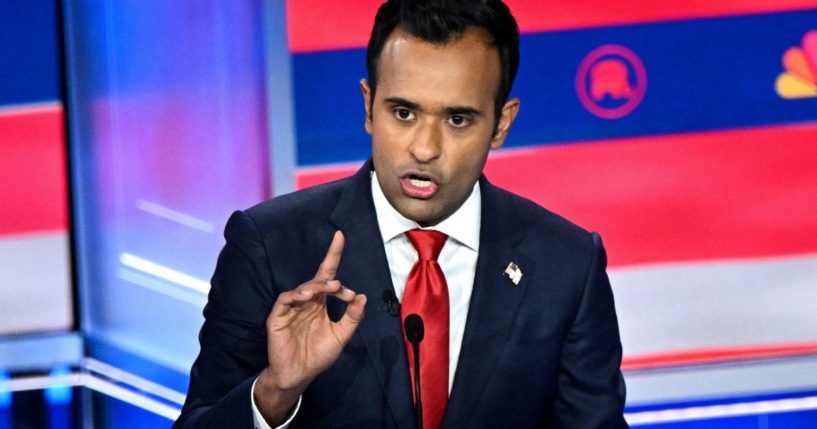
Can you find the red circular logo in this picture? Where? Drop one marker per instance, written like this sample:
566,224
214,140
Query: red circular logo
611,81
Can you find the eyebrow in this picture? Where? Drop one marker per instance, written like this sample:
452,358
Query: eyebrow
453,110
463,110
399,101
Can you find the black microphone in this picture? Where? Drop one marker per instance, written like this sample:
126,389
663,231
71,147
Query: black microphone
392,304
415,330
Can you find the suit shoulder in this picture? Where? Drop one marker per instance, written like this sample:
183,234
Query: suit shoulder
535,221
532,214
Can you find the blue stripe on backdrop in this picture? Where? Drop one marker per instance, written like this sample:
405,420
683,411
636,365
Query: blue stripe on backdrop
702,75
793,410
739,422
784,420
792,420
28,52
756,397
329,106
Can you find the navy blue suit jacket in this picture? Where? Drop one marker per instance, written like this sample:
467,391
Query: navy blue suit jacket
541,353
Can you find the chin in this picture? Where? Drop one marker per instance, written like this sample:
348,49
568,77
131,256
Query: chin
417,214
424,218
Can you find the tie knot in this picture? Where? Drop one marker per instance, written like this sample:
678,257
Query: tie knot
428,243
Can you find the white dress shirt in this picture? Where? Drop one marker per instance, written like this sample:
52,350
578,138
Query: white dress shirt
458,260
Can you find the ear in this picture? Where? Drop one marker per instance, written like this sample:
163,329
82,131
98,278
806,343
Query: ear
367,104
506,117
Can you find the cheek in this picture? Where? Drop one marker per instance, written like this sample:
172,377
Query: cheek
386,159
468,161
387,144
381,150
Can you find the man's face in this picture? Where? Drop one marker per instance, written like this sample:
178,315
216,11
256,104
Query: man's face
432,121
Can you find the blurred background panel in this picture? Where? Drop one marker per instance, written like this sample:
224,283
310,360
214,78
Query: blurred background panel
168,116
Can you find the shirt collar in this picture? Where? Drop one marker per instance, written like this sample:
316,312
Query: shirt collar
463,225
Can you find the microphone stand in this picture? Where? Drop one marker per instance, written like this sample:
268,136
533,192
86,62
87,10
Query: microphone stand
415,331
418,405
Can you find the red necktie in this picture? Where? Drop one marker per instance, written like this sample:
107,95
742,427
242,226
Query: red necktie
426,294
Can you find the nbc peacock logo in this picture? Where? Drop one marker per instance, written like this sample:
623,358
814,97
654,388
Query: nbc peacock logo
800,78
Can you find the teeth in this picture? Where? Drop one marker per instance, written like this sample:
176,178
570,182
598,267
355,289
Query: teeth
420,183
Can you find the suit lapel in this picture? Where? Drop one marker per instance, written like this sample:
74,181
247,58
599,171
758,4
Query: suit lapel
364,269
492,310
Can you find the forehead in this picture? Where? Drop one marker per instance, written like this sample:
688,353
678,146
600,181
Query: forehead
466,67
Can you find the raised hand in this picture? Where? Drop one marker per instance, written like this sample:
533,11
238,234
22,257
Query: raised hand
302,341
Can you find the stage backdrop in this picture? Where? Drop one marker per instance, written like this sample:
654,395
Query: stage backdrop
684,132
35,290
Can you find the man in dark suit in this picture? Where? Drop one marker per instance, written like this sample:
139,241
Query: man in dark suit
531,339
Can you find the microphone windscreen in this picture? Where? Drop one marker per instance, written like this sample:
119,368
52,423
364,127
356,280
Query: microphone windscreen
414,327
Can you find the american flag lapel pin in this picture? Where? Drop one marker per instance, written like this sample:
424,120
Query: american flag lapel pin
513,272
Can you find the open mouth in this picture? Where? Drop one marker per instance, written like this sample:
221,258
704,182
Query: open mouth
420,182
417,186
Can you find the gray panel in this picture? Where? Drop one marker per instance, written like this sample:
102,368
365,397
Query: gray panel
721,381
35,292
280,105
723,304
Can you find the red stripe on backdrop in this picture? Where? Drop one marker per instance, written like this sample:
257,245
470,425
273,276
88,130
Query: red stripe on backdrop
716,355
698,196
34,190
317,25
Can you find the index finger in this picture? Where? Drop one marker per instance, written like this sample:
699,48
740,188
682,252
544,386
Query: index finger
329,266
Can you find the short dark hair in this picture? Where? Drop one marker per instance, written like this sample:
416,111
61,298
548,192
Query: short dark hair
439,21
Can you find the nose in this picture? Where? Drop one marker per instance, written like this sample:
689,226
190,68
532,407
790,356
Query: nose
427,142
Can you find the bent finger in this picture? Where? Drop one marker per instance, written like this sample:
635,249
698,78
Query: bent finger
347,325
308,292
345,294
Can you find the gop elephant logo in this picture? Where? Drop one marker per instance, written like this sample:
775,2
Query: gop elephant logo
611,81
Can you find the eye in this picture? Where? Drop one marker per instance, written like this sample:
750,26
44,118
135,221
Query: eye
459,121
403,114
